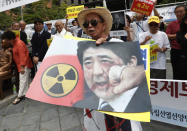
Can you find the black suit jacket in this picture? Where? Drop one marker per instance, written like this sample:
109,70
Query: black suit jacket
140,102
23,37
39,44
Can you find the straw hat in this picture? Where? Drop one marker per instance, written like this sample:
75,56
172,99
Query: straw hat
103,12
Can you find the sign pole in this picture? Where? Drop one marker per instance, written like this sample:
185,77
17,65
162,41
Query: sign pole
21,12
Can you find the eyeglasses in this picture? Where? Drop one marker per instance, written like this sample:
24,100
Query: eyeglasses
152,24
92,22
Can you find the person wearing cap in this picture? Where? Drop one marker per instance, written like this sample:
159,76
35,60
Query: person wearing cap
140,24
49,28
154,36
97,23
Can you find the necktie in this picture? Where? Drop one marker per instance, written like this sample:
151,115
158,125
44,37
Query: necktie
38,34
106,107
117,124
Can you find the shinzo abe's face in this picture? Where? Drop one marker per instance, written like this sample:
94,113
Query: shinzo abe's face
96,66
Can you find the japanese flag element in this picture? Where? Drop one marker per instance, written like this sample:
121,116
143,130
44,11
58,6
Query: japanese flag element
59,79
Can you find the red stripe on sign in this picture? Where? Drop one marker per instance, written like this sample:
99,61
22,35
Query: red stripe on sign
49,91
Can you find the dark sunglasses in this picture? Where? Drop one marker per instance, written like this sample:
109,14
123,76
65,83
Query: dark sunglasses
92,22
153,24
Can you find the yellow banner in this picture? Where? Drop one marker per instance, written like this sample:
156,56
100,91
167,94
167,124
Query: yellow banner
73,11
49,41
17,33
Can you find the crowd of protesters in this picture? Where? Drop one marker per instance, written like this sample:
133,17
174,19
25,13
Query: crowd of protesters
138,28
14,49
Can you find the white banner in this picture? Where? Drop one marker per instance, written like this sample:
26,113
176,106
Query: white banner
167,13
169,100
118,33
9,4
169,115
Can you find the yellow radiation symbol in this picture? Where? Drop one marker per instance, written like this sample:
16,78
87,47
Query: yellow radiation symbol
59,80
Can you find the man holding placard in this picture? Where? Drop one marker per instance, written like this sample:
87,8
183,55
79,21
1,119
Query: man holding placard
97,24
159,42
140,24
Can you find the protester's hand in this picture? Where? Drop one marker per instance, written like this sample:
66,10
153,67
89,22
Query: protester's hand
66,17
22,70
160,50
35,60
157,50
127,28
101,40
147,38
172,36
154,2
186,36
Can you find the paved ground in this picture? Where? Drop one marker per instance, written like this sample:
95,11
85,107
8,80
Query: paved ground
169,72
32,115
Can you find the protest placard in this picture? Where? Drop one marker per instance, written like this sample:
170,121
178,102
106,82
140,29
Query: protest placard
144,7
9,4
60,79
73,11
168,98
49,41
118,24
153,53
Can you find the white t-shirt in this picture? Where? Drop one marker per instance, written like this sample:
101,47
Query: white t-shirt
162,40
63,32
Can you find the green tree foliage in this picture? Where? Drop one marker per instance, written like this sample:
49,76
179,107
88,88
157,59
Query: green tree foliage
5,21
37,9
